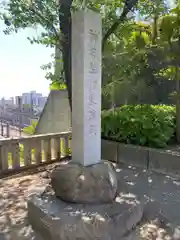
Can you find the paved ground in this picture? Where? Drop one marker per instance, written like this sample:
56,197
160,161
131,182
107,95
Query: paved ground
161,218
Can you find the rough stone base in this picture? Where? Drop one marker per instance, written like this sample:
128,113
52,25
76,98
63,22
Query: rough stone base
76,183
58,220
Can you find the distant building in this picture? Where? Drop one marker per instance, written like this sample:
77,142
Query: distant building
22,110
18,116
18,100
4,101
31,98
42,102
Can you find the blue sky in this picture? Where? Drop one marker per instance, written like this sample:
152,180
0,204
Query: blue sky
20,64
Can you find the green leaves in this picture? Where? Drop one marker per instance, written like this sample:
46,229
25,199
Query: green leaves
20,14
31,128
145,125
125,60
148,8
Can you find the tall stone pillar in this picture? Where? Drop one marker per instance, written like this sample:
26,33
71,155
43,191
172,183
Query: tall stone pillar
86,87
86,119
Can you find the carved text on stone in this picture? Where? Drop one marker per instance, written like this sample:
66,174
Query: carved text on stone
92,82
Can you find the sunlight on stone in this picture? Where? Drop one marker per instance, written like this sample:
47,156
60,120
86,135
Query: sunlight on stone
76,213
168,151
86,219
119,200
82,177
131,183
127,195
154,230
149,180
64,163
148,198
169,177
126,198
55,218
100,218
176,183
111,178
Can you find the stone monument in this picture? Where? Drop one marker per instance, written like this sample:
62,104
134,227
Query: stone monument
85,201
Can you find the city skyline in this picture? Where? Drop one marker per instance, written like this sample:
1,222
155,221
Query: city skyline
34,99
44,95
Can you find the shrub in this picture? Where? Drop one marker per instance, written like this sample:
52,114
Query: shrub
30,129
145,125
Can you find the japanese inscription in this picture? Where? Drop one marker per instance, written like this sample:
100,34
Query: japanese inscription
92,82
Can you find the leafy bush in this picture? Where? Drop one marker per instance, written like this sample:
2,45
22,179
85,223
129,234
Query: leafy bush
30,129
145,125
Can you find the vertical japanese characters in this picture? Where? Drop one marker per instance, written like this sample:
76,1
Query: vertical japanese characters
92,81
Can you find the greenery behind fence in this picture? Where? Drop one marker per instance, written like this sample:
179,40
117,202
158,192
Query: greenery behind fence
145,125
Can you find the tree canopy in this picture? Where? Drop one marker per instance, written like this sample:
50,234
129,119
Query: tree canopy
54,18
129,26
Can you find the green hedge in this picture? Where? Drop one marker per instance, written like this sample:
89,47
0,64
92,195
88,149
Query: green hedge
144,125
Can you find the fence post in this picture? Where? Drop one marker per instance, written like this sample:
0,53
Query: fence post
7,130
2,129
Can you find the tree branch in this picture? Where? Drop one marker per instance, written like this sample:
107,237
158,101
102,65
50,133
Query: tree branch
128,6
44,19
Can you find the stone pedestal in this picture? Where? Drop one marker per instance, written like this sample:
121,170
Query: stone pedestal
55,219
84,203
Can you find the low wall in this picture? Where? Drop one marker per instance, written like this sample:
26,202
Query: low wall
148,158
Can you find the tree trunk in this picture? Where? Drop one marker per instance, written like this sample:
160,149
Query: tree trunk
177,105
154,29
177,78
65,27
128,6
